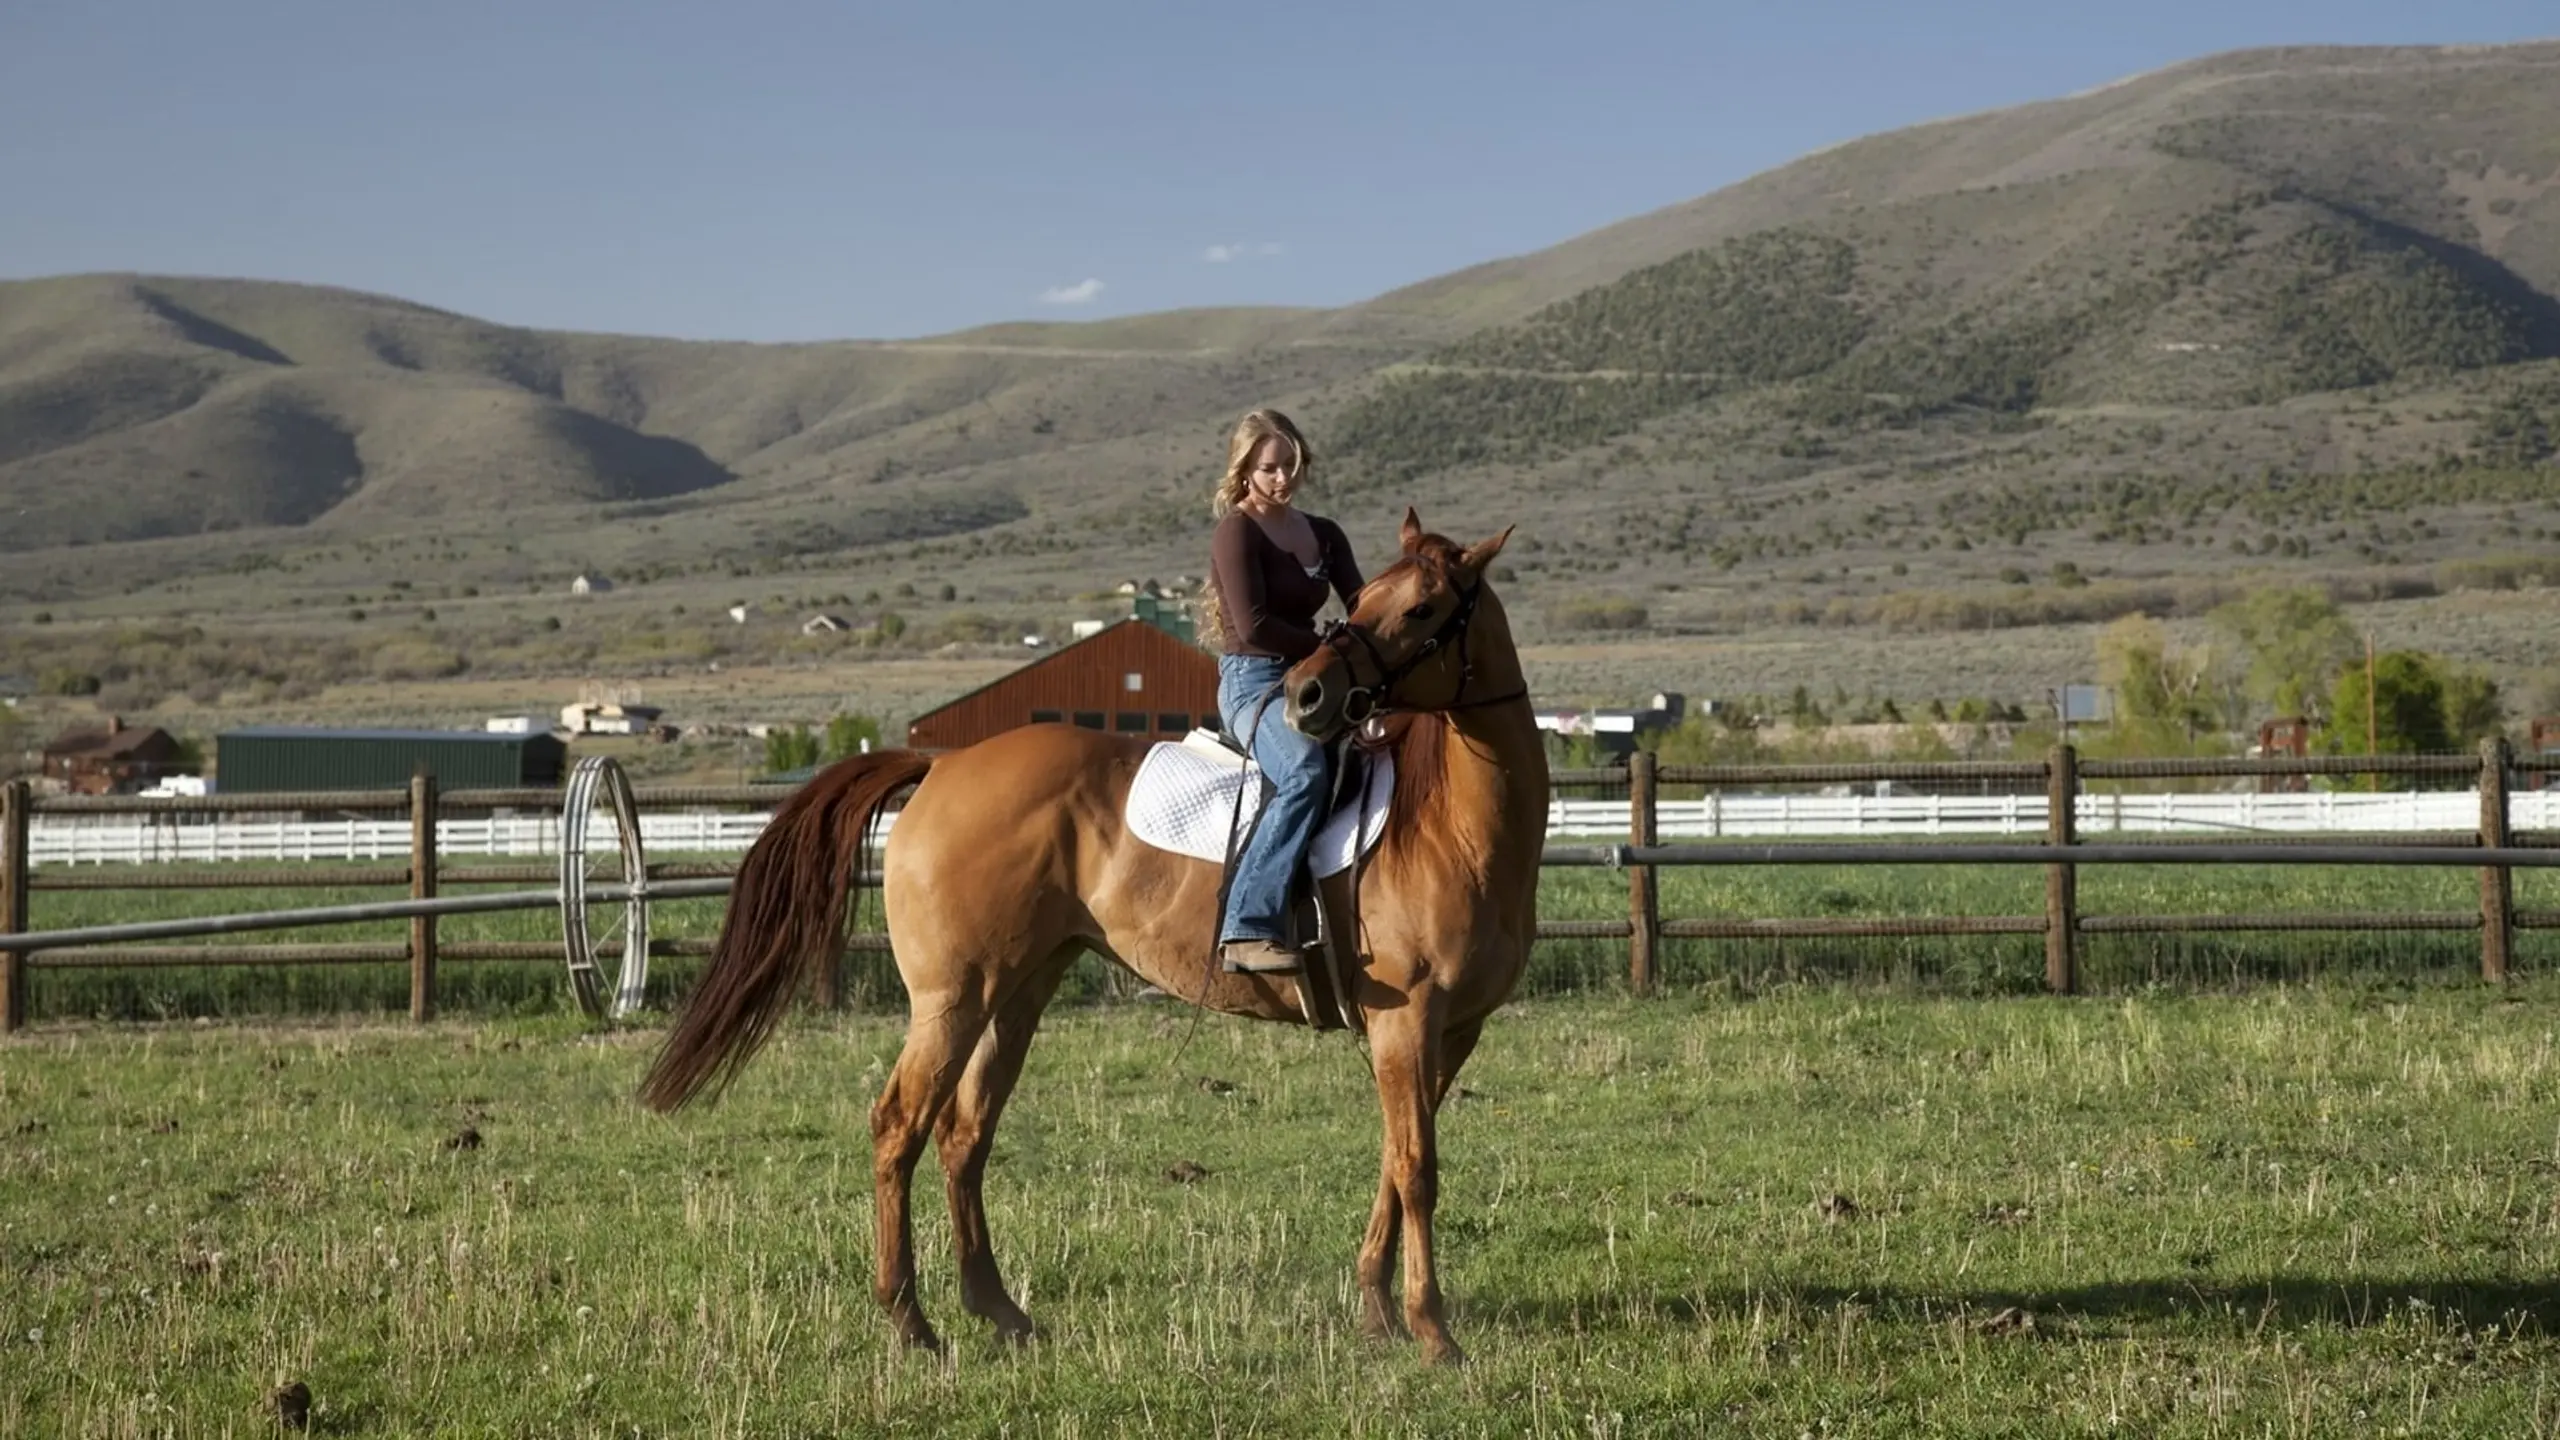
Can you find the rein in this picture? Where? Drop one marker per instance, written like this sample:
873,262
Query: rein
1366,702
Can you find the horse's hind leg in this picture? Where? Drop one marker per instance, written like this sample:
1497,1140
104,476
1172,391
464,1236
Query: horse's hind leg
966,1133
940,1036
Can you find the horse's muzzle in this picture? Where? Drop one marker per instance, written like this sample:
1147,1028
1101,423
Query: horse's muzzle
1315,706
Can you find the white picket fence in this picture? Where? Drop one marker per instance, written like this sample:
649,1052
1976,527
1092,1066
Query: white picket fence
1871,816
130,840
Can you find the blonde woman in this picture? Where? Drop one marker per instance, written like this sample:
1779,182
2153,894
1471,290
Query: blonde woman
1271,565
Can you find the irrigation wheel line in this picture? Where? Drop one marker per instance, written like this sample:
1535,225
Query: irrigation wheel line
598,784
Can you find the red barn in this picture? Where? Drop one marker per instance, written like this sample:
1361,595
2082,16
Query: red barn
114,760
1133,679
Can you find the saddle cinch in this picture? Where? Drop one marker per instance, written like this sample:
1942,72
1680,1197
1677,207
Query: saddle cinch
1192,799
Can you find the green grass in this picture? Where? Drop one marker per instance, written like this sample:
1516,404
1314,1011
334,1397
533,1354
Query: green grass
2320,1210
1967,965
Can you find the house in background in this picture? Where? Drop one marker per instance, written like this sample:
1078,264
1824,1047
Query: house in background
608,717
114,759
14,688
823,624
590,584
1172,616
1616,729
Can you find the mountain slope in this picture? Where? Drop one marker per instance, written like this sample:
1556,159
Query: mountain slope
2191,278
133,407
2455,141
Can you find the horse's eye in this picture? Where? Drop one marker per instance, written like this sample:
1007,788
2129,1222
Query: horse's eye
1418,612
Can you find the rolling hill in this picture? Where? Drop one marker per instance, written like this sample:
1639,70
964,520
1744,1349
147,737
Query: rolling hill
2293,313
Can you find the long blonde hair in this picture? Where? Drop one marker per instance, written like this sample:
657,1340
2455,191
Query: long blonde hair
1210,615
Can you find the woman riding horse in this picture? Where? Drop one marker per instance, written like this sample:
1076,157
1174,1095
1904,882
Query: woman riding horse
1271,566
1011,858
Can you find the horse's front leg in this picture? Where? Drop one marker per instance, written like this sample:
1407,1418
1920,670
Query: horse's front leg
1378,1244
1406,1049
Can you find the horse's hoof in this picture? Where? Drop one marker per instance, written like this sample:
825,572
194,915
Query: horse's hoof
1443,1353
1018,1331
1379,1323
920,1337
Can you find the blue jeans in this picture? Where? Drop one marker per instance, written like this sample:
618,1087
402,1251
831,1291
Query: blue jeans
1258,892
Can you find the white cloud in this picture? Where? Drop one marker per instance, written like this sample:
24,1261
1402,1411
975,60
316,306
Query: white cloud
1221,254
1083,292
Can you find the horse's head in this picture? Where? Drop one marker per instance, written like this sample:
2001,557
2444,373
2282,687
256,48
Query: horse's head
1405,645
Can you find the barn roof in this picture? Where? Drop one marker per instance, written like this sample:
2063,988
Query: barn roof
102,742
291,732
1065,655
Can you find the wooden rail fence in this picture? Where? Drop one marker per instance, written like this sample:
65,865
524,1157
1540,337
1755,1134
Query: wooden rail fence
2062,775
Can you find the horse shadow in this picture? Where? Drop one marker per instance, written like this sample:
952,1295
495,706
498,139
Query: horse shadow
2287,1302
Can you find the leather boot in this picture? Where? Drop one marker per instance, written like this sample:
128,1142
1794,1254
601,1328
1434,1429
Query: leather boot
1257,957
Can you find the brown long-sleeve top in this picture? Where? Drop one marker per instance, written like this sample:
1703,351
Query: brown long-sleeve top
1269,598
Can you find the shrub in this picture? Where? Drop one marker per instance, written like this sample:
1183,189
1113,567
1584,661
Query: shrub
66,681
1603,614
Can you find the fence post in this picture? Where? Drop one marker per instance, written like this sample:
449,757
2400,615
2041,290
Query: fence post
422,886
15,804
2497,882
2061,880
1644,900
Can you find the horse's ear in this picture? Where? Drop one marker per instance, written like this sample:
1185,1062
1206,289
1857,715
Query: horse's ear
1410,534
1475,557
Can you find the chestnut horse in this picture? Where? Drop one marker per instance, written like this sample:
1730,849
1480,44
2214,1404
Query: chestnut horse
1011,858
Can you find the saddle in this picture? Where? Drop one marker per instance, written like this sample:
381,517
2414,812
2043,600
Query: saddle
1201,796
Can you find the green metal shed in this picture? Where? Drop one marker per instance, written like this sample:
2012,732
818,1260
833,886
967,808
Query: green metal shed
269,758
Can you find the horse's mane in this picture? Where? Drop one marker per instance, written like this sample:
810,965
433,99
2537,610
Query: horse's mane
1414,740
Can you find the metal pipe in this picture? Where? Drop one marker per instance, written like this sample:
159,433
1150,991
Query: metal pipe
2469,857
344,914
1567,856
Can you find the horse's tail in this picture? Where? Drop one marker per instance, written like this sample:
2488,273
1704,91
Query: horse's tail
786,921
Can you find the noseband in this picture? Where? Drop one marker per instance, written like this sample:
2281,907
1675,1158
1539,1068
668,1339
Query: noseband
1362,702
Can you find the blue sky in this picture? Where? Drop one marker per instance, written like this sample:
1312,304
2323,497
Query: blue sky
789,169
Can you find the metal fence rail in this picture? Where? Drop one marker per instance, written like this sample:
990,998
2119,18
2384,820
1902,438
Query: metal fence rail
2475,829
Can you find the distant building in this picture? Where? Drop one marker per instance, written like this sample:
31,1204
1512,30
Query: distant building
1171,616
113,759
590,585
2085,704
513,724
1614,728
270,758
1131,678
738,612
14,688
607,717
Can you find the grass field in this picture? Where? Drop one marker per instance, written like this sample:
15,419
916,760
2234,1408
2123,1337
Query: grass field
2305,1210
1967,965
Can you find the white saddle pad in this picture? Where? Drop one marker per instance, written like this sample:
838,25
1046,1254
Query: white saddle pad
1184,800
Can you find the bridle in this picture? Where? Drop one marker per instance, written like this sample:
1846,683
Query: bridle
1363,702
